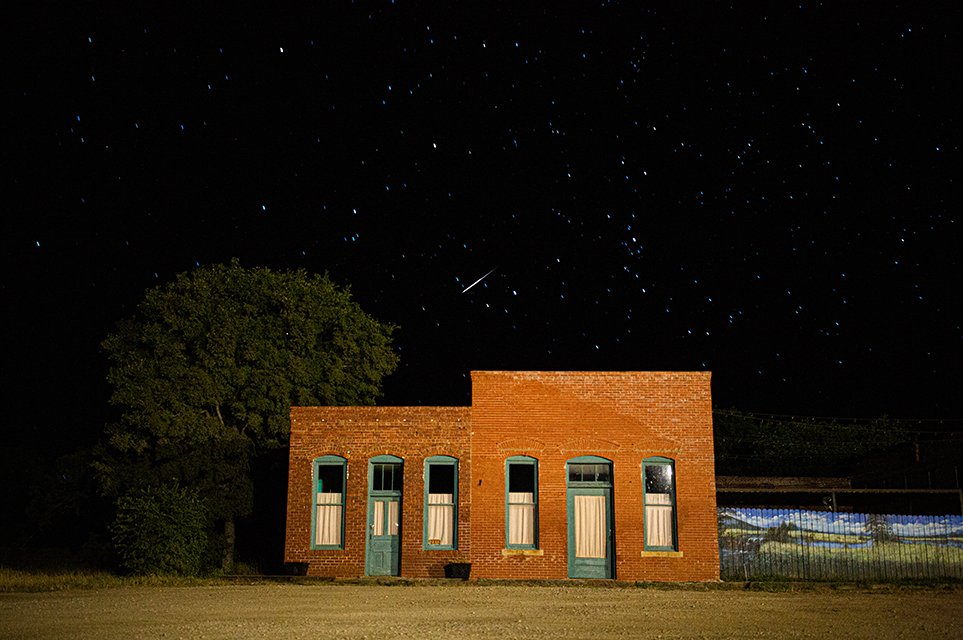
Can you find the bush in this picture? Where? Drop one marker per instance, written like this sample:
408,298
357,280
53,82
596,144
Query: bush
161,531
782,533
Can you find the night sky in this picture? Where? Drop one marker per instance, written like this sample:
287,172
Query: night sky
767,192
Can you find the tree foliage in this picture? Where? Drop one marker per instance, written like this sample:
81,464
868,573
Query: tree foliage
782,533
749,444
880,529
206,370
161,531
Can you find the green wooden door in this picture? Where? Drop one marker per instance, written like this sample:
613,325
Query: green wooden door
590,532
383,544
384,547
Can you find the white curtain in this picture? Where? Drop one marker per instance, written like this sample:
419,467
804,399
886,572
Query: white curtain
589,526
658,520
393,518
327,530
378,518
441,516
521,518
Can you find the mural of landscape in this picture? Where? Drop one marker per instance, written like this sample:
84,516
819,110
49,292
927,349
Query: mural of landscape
792,543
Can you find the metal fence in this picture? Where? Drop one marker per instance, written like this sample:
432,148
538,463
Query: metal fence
819,545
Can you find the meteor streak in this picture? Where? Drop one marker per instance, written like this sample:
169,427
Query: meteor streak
477,281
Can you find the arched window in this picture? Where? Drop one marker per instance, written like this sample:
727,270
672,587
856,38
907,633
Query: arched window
441,503
521,503
589,471
658,498
327,517
385,474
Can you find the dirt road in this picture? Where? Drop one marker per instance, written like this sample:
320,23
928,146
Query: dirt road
372,611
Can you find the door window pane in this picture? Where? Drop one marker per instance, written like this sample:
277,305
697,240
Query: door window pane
394,513
589,472
602,473
378,518
589,526
385,519
386,477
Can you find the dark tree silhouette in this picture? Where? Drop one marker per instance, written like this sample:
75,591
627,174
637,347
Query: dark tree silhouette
207,369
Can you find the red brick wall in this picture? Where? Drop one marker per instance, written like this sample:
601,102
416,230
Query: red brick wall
551,416
625,417
358,434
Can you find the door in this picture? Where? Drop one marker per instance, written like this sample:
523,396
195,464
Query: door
590,535
383,544
384,523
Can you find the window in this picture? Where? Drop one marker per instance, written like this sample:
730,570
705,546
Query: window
441,503
386,476
658,496
590,472
327,523
521,503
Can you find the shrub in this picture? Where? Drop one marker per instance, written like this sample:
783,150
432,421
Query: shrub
782,533
161,531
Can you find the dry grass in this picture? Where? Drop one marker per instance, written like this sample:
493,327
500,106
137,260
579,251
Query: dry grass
13,580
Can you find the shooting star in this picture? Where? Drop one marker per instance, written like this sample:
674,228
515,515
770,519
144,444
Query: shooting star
479,280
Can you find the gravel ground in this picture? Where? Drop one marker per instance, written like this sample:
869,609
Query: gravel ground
326,611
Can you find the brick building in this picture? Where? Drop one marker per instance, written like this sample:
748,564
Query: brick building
547,475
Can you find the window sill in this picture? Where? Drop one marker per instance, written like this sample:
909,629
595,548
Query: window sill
661,554
523,552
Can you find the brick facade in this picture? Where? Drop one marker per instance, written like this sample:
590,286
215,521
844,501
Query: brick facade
358,434
553,417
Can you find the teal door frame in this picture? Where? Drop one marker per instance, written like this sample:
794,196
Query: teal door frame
383,540
590,567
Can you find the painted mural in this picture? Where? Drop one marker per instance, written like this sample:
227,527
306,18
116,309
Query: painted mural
813,545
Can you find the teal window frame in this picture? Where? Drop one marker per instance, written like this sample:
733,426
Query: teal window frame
317,463
441,461
385,460
668,462
521,461
594,460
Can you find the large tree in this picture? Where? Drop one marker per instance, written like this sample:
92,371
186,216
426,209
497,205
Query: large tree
206,370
